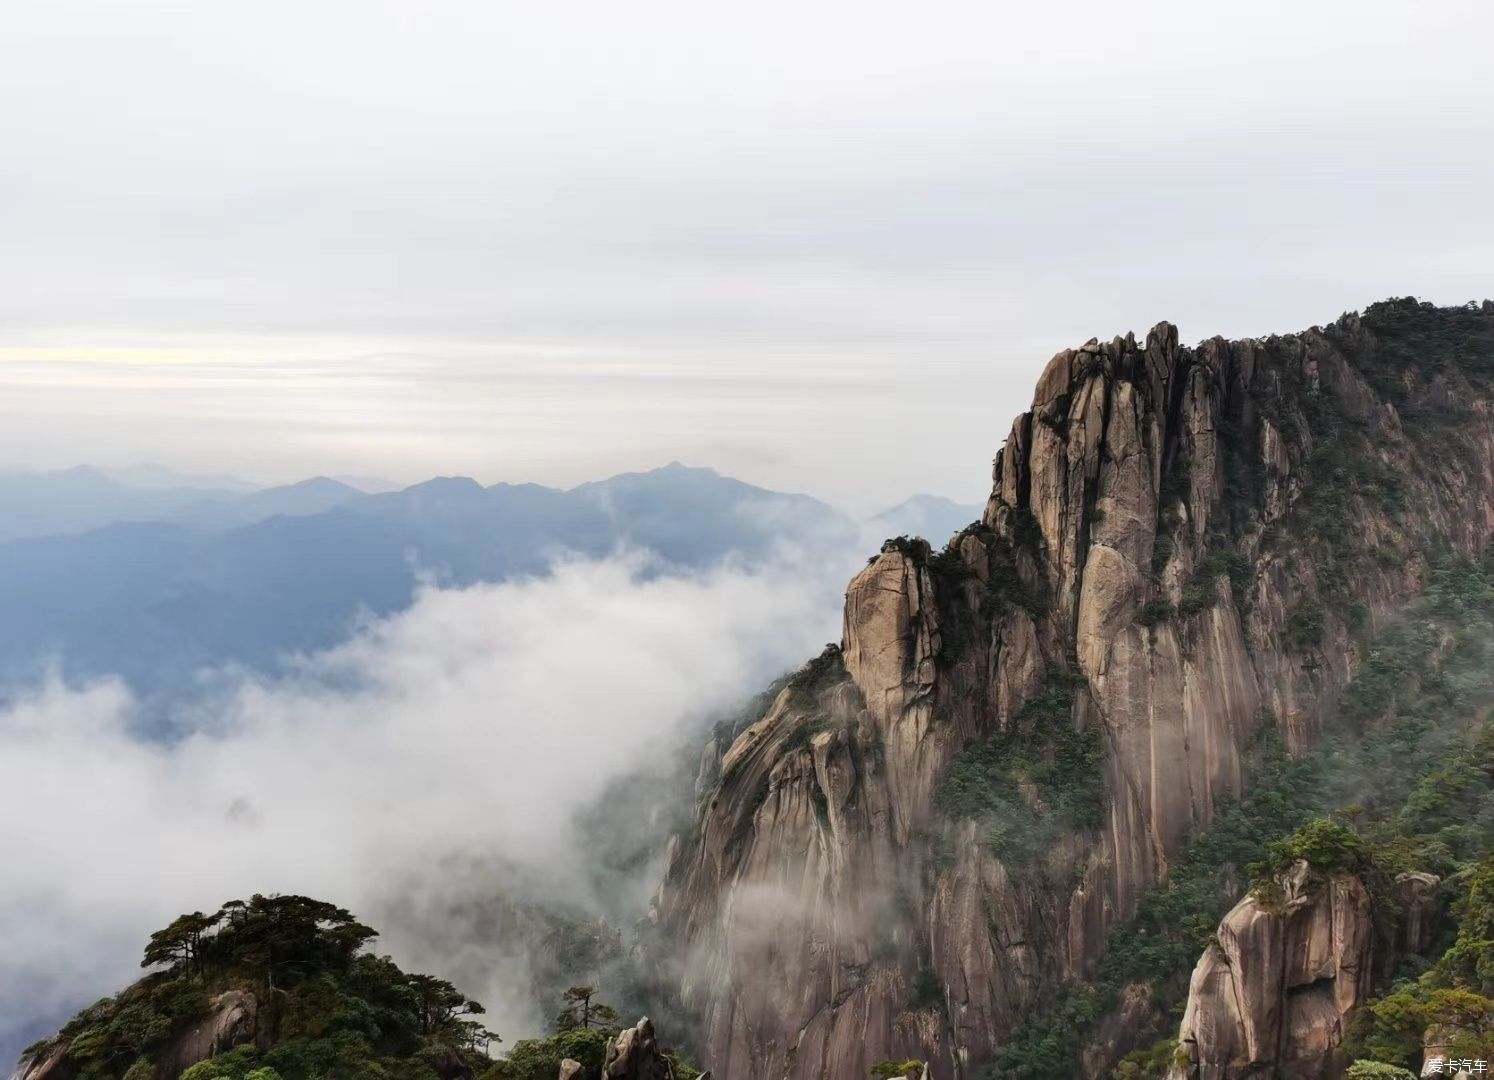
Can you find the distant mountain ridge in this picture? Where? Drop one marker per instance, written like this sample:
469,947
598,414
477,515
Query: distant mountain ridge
82,498
933,517
230,578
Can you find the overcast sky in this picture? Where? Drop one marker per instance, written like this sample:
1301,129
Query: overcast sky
821,246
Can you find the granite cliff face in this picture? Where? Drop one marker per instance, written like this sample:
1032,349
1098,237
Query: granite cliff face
1273,993
1182,546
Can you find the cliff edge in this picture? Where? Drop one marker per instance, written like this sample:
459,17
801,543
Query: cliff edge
933,826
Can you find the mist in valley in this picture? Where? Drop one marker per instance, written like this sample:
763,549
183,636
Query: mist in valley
439,773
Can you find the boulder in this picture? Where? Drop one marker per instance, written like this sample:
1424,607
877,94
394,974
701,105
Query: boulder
1273,993
635,1055
232,1022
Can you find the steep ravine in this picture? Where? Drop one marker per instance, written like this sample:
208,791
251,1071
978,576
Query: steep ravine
931,829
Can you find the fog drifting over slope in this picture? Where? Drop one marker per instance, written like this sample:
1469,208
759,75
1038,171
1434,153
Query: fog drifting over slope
461,733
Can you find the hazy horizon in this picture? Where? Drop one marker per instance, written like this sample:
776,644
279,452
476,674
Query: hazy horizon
690,745
822,249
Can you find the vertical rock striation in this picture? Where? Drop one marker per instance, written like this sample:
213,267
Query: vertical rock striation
1273,992
1179,547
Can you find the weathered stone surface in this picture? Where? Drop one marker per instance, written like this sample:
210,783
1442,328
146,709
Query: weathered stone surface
570,1070
1436,1046
53,1064
1122,1030
831,918
1273,993
1417,893
635,1055
231,1021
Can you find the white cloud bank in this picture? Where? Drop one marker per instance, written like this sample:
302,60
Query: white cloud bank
464,729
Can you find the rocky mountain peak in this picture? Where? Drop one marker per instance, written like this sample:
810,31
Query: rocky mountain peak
934,827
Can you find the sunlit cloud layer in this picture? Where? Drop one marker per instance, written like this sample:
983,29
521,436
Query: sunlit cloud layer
700,222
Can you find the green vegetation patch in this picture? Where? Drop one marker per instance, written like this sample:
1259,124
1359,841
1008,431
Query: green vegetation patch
1402,779
339,1012
1039,779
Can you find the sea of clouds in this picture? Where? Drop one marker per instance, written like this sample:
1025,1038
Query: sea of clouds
435,756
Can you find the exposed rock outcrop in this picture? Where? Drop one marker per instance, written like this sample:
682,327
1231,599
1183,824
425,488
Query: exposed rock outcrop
1417,894
1273,993
1159,554
1436,1053
54,1063
635,1055
232,1021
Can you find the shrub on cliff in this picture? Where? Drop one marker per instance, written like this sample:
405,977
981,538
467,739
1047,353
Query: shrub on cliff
340,1011
1377,1070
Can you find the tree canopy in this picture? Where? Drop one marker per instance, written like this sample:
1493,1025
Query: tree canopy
340,1012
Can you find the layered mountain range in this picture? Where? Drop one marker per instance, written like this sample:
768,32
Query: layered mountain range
1174,764
157,584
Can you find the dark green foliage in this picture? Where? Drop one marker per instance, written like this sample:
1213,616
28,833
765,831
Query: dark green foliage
180,944
969,601
1049,1046
819,675
1377,1070
1026,532
1202,591
925,993
581,1010
1200,594
1412,336
1162,548
278,940
1149,1064
1176,482
1390,1028
684,1069
1303,630
1329,847
111,1035
1154,611
1470,962
339,1012
241,1063
1411,347
1406,758
891,1070
539,1059
1039,779
1456,993
915,547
